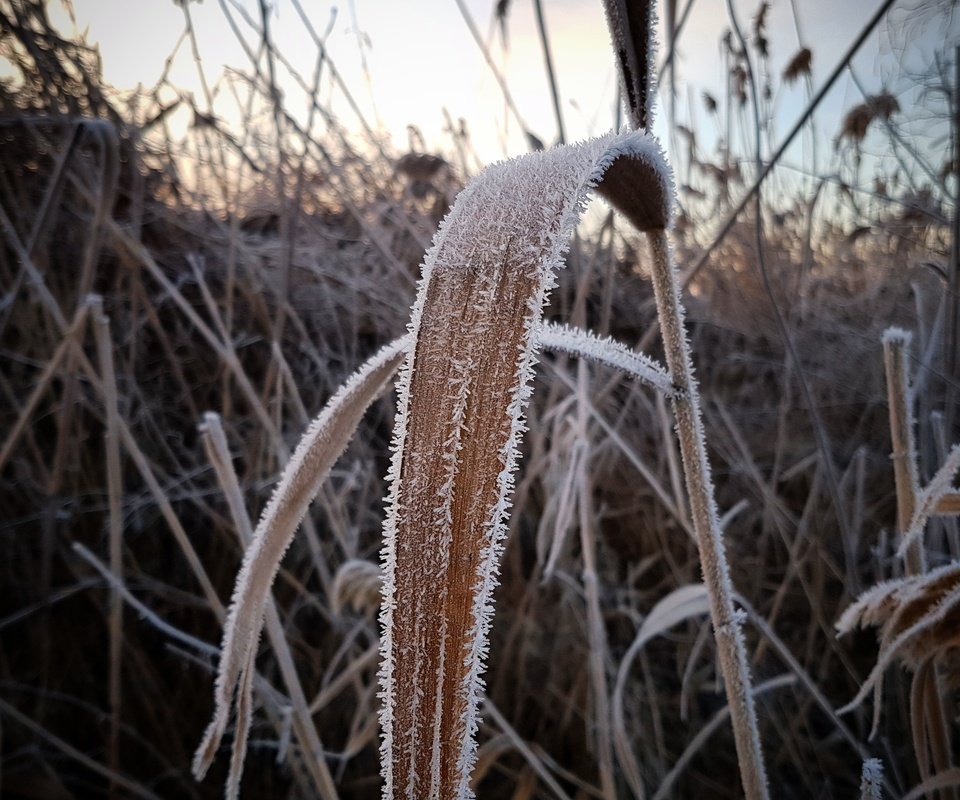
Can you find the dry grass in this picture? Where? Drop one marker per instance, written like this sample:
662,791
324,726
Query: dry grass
255,294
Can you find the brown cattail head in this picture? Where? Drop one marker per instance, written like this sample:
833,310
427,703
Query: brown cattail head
799,65
858,119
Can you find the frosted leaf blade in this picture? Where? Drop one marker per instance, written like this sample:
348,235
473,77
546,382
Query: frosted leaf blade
321,446
928,500
608,352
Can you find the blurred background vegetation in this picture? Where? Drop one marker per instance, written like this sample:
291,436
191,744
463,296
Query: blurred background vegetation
231,217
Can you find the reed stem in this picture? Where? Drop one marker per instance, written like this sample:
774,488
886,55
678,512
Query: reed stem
716,574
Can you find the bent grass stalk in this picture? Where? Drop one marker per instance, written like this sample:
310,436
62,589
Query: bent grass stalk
320,447
115,502
218,454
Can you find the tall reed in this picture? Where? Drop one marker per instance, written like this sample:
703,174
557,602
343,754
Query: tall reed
470,351
632,30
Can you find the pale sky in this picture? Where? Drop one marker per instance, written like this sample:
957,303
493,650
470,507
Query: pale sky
420,58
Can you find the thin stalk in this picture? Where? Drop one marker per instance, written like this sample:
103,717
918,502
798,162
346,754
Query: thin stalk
591,587
536,763
115,504
160,497
952,355
551,74
904,456
716,574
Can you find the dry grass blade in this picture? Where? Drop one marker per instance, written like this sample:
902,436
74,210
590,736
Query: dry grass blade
606,351
462,393
142,463
696,744
145,613
632,26
928,500
536,764
679,605
218,453
596,629
320,447
942,780
115,492
949,505
919,618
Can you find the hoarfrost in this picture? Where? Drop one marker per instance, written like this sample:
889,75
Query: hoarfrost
322,444
606,351
871,779
940,484
463,389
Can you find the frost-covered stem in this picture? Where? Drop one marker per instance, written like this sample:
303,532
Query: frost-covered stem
716,574
904,456
606,351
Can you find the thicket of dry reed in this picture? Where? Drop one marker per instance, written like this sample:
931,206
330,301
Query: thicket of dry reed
257,311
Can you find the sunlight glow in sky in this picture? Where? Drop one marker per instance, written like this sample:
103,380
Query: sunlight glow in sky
405,62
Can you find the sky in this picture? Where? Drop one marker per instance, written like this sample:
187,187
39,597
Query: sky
405,61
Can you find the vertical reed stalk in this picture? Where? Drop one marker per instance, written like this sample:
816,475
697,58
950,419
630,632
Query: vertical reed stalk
115,503
716,574
931,736
895,345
